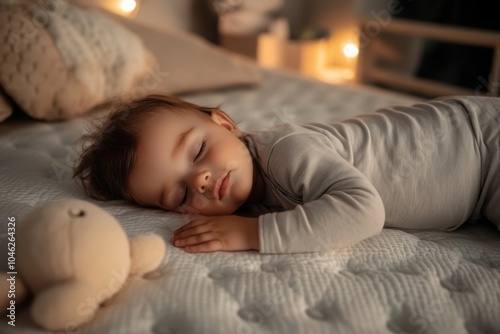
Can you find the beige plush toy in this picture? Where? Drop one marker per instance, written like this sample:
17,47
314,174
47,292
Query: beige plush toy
72,256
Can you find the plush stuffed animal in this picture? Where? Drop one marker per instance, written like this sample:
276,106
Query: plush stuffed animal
72,256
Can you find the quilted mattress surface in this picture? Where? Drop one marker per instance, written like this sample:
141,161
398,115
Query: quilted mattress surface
396,282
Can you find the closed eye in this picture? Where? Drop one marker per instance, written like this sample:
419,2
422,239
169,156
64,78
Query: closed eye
184,199
201,152
200,155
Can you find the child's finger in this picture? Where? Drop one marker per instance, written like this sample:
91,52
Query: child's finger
203,228
210,246
195,239
189,225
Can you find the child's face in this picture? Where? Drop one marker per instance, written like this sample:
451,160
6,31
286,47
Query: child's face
188,163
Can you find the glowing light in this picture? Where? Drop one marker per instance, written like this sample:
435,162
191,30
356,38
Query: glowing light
336,74
350,50
127,5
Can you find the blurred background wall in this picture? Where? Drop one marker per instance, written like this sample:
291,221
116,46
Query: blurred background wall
460,65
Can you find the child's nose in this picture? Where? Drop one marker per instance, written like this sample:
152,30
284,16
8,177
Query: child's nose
202,180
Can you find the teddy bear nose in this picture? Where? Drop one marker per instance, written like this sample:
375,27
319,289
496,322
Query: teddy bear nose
76,212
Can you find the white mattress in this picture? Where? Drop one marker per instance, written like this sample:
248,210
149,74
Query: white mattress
396,282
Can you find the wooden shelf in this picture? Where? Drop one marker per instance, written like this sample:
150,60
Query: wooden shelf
407,82
459,35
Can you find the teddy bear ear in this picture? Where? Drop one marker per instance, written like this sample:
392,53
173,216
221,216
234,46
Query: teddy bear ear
146,253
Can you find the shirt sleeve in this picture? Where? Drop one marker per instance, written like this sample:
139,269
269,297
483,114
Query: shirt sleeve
340,205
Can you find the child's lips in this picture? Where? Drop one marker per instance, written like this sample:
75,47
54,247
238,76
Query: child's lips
221,186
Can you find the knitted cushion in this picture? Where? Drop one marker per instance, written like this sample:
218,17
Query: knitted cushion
5,107
60,61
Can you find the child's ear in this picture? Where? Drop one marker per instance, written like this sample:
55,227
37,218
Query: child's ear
221,118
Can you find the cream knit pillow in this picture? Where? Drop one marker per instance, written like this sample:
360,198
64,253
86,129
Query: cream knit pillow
59,62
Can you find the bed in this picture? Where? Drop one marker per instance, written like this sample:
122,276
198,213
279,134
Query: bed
400,281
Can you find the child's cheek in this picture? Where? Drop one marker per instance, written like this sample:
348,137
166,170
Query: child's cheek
200,202
234,167
243,153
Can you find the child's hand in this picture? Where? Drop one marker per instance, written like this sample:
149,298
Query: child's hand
218,233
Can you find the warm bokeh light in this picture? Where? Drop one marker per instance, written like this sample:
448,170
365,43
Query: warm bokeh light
127,5
350,50
126,8
340,59
332,59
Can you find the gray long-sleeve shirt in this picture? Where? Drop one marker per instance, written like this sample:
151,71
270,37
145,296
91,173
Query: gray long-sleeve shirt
419,167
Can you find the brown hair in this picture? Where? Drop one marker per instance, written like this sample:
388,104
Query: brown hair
105,163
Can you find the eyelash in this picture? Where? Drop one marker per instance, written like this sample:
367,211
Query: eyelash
202,151
200,155
184,199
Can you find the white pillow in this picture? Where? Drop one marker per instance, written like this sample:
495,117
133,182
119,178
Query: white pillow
188,63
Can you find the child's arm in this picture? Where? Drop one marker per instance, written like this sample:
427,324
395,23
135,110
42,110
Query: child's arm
218,233
340,205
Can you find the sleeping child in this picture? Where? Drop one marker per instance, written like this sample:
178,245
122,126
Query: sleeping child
299,188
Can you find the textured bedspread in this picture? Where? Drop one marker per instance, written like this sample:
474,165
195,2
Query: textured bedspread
396,282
